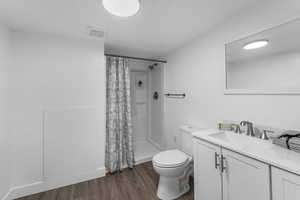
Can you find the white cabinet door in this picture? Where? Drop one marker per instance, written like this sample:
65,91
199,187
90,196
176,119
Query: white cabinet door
285,185
244,178
206,173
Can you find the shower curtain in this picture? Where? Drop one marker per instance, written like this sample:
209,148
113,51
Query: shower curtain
119,142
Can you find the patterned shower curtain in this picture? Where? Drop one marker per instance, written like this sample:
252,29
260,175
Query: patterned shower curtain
119,142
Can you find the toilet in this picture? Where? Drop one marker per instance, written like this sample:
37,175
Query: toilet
175,166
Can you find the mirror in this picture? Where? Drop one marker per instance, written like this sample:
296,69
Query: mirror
265,63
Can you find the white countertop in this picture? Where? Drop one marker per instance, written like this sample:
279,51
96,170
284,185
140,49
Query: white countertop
258,149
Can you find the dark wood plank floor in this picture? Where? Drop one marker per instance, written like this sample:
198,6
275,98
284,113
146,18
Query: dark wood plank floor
139,183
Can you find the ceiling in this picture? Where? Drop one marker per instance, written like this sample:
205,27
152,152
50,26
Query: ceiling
159,27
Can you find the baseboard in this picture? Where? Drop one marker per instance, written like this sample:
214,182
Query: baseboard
7,196
137,162
143,160
42,186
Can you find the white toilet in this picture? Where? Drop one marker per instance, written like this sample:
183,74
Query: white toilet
175,166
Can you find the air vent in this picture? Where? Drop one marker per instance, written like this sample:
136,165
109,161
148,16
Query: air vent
94,32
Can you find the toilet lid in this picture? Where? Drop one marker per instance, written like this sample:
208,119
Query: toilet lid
170,158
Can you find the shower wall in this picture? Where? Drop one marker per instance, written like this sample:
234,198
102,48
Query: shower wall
139,101
157,106
147,113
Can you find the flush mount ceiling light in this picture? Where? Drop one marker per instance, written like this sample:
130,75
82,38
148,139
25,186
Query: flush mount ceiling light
122,8
255,44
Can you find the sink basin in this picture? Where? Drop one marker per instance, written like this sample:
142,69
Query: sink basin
231,138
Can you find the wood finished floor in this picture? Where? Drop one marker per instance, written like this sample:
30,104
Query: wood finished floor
139,183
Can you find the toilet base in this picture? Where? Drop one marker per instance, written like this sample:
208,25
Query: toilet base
170,188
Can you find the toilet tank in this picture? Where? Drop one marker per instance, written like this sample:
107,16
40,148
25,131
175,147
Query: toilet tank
184,139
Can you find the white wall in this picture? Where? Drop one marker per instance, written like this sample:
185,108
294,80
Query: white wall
198,69
5,153
57,111
139,65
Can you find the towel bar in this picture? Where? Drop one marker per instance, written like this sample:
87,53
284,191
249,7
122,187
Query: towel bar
170,95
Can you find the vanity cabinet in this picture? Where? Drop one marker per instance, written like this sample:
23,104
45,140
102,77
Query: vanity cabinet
223,174
206,171
244,178
285,185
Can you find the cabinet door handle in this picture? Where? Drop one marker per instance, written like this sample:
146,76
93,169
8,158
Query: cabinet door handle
223,167
217,164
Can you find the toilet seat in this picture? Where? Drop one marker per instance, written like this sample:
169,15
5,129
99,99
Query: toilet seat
170,159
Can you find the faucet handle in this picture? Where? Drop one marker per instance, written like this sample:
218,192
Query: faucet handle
236,128
264,135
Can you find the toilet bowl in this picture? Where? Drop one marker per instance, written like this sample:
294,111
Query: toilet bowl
175,166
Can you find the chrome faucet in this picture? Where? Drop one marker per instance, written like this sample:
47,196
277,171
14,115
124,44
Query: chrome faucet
250,130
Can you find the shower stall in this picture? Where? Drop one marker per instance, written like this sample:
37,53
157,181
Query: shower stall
147,103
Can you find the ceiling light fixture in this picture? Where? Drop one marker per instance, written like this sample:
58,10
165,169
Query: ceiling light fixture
122,8
255,44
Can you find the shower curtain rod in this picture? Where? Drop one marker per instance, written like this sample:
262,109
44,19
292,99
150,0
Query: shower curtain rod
137,58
